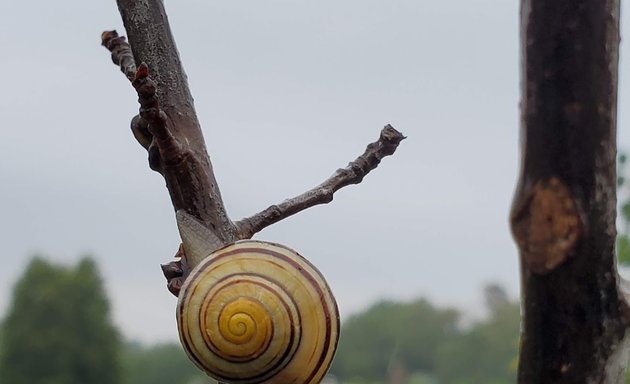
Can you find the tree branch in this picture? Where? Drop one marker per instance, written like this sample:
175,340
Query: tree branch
575,319
323,193
172,133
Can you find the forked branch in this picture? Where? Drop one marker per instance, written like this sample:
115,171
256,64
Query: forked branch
167,126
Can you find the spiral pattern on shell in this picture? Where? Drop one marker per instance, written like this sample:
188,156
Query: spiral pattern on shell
258,312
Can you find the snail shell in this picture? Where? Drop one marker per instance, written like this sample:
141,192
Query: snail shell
258,312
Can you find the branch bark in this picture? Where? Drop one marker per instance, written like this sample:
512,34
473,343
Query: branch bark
563,217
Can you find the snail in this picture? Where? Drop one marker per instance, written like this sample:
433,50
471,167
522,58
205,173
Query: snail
254,311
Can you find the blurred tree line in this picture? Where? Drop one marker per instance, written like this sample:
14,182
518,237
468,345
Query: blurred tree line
623,223
623,199
58,330
417,343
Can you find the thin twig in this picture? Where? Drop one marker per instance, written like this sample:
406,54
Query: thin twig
323,193
123,57
152,122
121,52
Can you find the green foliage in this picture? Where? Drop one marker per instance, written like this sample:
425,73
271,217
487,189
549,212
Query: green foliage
486,353
623,197
160,364
398,342
422,378
623,249
623,237
392,334
58,329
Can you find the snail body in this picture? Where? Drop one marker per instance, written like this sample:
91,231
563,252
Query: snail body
258,312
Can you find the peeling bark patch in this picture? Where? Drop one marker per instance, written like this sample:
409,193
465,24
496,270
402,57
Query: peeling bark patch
546,225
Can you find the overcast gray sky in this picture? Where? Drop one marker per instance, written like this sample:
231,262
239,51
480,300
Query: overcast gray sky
315,81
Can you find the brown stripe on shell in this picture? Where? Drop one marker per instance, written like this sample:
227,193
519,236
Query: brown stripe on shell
180,324
321,364
323,292
289,352
235,359
285,359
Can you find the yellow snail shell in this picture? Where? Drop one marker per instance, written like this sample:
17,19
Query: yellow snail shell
258,312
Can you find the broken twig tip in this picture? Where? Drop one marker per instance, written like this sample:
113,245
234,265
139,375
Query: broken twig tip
389,132
107,36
